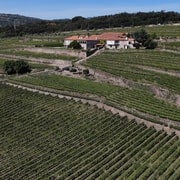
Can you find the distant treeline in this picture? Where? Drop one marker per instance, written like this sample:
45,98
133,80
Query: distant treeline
81,23
15,20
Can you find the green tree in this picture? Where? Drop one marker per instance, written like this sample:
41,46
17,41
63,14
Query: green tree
75,45
86,72
13,67
22,67
144,39
141,36
150,44
9,67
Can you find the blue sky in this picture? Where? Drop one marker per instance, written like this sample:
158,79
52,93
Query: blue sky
58,9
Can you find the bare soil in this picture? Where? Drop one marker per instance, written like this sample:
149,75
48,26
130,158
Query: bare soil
58,51
54,62
171,73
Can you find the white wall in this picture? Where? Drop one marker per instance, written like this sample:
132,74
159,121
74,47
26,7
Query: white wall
67,42
110,42
84,46
119,45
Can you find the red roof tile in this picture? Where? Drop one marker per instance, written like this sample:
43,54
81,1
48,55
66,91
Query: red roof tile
105,36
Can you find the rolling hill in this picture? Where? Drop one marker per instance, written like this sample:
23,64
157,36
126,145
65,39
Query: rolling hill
15,20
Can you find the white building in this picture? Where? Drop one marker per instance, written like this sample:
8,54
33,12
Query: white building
111,40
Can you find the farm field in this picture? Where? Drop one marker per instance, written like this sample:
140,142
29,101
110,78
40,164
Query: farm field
128,64
171,45
136,99
37,55
171,31
39,67
166,31
17,47
30,40
43,137
56,39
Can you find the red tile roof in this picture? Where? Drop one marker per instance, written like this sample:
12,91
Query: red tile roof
75,38
114,36
105,36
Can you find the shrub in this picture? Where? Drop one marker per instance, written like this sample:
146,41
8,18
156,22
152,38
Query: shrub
141,36
22,67
150,44
144,39
137,45
9,67
73,69
75,45
13,67
86,71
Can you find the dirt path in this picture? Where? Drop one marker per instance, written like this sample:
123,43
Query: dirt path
171,73
86,58
52,62
101,76
101,105
168,50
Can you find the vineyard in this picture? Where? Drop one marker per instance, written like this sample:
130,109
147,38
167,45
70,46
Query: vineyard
31,40
126,64
163,31
171,45
135,99
56,136
43,137
56,39
167,31
37,55
33,65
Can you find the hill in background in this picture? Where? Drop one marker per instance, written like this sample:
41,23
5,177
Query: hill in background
16,20
15,25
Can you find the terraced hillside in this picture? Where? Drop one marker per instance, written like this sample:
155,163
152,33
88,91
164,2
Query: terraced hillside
38,55
121,97
43,137
40,67
168,31
133,65
170,45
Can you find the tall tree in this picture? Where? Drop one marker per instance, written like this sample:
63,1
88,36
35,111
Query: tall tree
13,67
